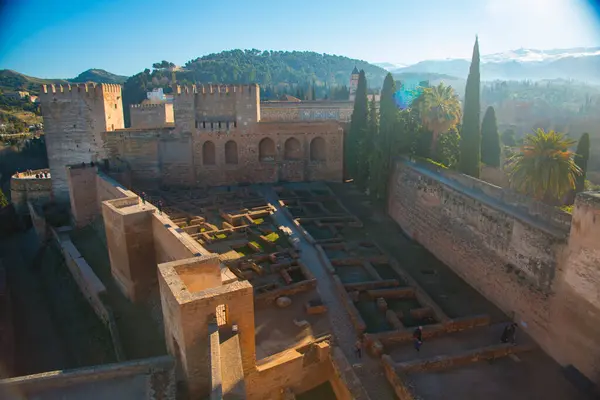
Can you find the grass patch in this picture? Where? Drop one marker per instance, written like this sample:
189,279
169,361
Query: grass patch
568,209
272,237
258,245
221,236
258,221
244,251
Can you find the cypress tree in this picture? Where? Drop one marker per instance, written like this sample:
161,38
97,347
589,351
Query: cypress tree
581,159
470,143
490,141
388,122
358,129
375,148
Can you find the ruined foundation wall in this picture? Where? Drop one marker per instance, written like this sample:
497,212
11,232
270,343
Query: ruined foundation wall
511,255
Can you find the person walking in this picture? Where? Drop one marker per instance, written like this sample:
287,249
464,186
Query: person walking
143,196
418,338
358,349
509,334
159,206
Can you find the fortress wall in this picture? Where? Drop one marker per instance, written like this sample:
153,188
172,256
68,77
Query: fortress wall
529,260
172,157
576,306
499,251
306,111
150,115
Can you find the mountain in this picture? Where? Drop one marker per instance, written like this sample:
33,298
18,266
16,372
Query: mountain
99,76
11,81
389,66
582,64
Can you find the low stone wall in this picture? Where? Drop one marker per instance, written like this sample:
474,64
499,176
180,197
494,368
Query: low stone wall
402,391
89,284
151,379
268,298
464,358
214,353
355,317
38,221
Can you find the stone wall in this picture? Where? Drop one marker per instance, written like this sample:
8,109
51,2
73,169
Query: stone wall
306,111
151,115
290,152
74,119
147,379
515,251
26,187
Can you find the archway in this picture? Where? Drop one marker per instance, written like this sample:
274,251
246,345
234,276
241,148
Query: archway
266,150
292,149
317,149
208,153
231,152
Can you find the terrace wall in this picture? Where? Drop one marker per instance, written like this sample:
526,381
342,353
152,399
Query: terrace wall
513,250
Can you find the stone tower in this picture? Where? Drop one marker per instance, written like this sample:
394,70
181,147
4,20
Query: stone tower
74,118
353,83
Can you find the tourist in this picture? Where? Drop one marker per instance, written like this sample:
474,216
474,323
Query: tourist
418,338
509,334
143,197
159,206
358,348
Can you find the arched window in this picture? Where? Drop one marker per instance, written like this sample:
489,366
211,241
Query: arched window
317,149
231,153
266,150
293,150
208,153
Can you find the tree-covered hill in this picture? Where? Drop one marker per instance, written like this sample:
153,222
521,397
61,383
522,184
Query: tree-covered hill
99,76
11,81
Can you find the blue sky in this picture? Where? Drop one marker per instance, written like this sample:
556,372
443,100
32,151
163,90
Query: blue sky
60,39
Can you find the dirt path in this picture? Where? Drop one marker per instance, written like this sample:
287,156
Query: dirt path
370,372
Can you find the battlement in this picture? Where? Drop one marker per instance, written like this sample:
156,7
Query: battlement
150,105
80,88
216,89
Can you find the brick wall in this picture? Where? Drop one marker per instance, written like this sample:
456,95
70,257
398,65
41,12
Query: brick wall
516,252
306,110
150,115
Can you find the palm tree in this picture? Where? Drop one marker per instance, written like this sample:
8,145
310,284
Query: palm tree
439,110
544,167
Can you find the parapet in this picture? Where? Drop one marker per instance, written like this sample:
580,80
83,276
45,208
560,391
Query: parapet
79,88
149,105
216,89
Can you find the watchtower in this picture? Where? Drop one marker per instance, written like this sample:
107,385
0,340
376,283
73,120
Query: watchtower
74,118
353,83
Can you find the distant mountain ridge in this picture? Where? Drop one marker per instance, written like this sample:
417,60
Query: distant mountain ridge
99,76
11,81
582,64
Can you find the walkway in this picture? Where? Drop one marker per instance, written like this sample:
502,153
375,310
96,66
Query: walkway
370,372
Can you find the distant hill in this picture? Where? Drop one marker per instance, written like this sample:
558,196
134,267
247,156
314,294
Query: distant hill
11,81
275,67
99,76
582,64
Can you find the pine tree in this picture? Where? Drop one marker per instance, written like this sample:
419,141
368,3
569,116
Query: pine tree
581,159
358,129
490,141
470,143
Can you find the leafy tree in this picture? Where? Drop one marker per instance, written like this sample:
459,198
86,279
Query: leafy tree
470,143
439,110
544,167
581,159
357,132
312,92
163,65
508,138
448,148
490,141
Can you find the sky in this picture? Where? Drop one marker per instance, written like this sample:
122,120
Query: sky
60,39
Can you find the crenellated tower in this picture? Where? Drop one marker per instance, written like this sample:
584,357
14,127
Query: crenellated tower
74,118
353,83
215,106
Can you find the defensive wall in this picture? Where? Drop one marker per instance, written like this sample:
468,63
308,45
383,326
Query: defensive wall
221,155
147,379
306,110
537,263
29,186
74,118
151,115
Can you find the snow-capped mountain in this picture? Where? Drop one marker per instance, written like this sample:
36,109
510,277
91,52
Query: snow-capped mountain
581,64
532,55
